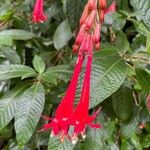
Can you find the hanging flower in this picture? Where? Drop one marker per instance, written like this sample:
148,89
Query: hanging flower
38,13
81,116
60,122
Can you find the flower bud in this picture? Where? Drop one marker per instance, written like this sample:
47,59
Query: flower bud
90,20
84,15
97,46
102,4
92,4
75,48
80,35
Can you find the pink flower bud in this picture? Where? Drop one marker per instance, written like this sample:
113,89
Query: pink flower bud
102,4
84,15
90,20
92,4
96,37
80,35
75,48
97,46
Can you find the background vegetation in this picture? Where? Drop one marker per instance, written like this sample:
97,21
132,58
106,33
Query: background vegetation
36,63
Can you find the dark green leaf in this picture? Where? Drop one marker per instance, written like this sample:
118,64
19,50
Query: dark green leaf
143,78
62,35
123,103
29,108
55,144
54,73
109,72
14,71
143,10
8,106
38,64
74,11
17,34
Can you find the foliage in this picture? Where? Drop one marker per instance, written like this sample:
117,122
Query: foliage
36,63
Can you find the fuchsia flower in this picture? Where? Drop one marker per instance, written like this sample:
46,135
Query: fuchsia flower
81,117
60,122
38,13
87,39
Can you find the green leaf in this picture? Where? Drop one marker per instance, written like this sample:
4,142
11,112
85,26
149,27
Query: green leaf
123,103
121,42
148,43
62,35
6,40
38,64
5,12
55,144
17,34
143,78
128,129
145,141
116,20
14,71
109,72
57,72
11,55
8,106
143,10
29,108
74,9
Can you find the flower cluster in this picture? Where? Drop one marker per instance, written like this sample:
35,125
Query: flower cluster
87,39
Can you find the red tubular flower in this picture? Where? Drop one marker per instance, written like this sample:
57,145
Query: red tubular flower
38,14
81,116
60,124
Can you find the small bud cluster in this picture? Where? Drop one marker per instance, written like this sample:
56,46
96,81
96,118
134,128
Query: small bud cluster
90,26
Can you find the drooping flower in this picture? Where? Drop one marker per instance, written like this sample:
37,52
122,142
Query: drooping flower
38,15
81,117
60,124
